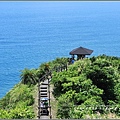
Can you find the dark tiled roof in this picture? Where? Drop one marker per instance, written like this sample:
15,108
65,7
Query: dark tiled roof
81,51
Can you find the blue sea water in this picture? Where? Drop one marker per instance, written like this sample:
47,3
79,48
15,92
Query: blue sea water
32,33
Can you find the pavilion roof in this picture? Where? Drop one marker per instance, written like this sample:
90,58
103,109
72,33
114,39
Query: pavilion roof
81,51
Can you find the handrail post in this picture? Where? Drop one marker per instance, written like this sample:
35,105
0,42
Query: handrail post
39,99
49,97
66,67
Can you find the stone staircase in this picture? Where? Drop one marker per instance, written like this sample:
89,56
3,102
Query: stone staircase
44,91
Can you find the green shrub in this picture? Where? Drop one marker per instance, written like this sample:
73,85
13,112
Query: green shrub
17,103
93,81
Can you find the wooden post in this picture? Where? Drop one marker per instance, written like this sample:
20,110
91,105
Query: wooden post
49,97
66,66
39,99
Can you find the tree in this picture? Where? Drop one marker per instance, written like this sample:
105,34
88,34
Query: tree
29,76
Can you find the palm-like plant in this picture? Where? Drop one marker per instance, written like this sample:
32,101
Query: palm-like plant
28,76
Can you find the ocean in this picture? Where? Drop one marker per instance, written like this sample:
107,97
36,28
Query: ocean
32,33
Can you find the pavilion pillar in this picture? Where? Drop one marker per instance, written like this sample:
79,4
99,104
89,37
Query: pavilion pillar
80,57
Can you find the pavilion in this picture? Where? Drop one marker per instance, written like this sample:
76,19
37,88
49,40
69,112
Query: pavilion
80,52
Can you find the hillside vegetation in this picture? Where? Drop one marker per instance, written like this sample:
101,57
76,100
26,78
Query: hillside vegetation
19,102
88,89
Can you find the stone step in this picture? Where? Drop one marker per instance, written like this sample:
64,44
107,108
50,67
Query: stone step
43,93
43,90
45,117
43,87
44,108
44,84
43,96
